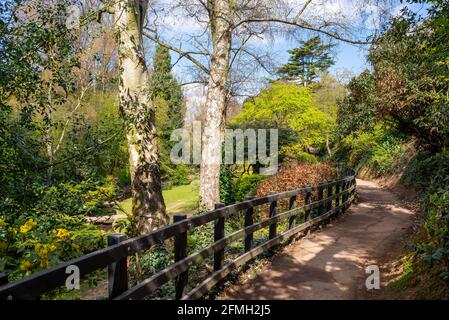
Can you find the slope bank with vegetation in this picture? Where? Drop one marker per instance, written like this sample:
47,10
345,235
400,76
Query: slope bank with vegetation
395,122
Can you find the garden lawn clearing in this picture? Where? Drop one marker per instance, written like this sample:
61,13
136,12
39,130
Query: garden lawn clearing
179,199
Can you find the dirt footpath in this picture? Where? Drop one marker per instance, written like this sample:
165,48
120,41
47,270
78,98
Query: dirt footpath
330,264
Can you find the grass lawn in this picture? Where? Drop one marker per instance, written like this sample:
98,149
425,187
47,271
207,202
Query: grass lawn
180,199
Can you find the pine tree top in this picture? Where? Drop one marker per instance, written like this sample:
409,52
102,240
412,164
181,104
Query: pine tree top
307,61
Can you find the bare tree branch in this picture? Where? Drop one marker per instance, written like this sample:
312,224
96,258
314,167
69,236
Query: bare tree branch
302,26
194,82
296,19
186,54
69,119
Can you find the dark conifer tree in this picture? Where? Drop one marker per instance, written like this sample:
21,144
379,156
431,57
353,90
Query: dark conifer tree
308,61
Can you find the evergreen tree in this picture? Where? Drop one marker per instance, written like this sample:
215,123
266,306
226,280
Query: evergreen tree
167,95
307,61
164,86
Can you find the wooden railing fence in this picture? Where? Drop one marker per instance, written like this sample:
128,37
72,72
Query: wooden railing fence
320,204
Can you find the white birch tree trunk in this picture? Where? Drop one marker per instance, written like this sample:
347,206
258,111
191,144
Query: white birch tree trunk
148,207
220,16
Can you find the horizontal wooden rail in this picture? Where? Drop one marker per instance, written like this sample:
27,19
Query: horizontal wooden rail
154,282
41,282
208,283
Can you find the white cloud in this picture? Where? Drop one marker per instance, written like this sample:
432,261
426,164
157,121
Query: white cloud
367,14
177,27
195,95
174,20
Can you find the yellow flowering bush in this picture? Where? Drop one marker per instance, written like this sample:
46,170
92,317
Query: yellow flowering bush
25,265
30,224
86,198
62,234
33,243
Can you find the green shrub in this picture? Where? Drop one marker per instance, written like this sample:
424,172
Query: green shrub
295,152
33,242
180,175
430,175
122,225
379,151
306,157
153,260
386,155
357,111
124,176
200,237
435,248
246,185
227,194
98,137
87,198
426,171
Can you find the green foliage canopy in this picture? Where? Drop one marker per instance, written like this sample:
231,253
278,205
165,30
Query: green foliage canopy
289,108
357,111
412,76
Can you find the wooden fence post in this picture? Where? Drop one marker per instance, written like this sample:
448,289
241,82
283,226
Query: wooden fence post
328,206
348,196
291,206
329,194
117,271
337,198
345,194
307,201
249,222
180,248
321,207
354,184
3,279
219,232
273,227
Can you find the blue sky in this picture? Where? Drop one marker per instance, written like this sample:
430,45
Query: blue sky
350,57
353,57
178,28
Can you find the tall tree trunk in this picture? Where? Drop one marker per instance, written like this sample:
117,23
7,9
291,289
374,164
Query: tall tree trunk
328,147
220,16
51,157
138,112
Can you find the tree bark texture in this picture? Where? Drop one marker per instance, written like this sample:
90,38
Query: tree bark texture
220,16
137,110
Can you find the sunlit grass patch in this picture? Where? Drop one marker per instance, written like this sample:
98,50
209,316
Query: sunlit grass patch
179,199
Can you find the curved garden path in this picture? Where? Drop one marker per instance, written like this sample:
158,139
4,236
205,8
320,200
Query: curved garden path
330,264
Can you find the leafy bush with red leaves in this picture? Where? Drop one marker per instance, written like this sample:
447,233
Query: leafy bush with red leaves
295,175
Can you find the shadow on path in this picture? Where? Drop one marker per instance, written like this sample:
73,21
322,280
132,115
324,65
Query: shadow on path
330,264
